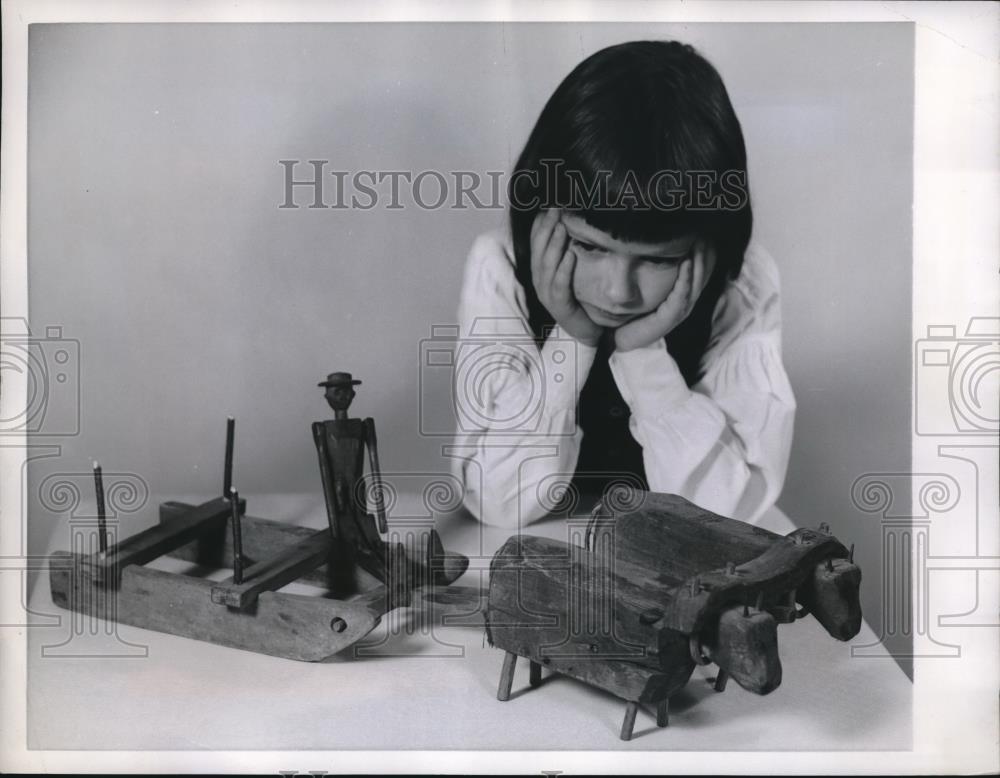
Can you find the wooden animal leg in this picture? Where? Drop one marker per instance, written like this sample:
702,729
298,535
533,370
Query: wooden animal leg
720,680
628,723
534,674
506,676
663,713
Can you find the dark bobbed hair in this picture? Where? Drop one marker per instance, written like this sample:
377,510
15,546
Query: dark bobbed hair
616,122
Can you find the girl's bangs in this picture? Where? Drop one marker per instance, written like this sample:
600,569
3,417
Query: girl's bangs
635,205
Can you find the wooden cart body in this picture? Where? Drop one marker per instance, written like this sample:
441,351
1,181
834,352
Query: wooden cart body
658,588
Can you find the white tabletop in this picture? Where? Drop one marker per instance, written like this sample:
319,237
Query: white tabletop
429,688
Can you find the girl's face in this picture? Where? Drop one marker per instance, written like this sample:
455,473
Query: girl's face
616,281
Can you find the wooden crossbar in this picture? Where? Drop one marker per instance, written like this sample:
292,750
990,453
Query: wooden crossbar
274,572
151,543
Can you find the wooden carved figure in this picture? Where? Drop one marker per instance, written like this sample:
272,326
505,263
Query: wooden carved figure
342,443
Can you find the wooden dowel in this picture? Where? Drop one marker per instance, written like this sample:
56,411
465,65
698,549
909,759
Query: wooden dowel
534,674
663,713
237,537
102,519
506,676
628,723
227,478
720,680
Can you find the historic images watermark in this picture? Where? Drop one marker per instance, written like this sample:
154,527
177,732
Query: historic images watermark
315,184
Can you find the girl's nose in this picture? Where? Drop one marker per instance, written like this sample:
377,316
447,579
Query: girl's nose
620,285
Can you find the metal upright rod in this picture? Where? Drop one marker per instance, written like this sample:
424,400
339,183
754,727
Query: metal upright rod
102,520
227,482
234,499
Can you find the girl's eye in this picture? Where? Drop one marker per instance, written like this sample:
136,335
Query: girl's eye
669,261
665,261
583,245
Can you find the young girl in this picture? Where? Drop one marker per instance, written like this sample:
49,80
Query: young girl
633,330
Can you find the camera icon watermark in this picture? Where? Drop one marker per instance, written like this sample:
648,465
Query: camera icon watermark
91,628
50,368
956,379
494,378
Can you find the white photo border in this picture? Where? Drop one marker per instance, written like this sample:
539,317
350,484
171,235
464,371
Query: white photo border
955,713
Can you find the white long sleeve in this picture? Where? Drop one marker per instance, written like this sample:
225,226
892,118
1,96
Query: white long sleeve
723,444
517,437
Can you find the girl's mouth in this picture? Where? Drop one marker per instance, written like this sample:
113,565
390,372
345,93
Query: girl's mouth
612,315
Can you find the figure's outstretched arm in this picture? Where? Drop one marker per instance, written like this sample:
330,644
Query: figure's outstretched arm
376,474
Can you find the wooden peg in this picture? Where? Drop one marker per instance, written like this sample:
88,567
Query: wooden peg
102,519
850,554
227,476
760,601
234,501
506,676
631,708
534,674
720,680
663,713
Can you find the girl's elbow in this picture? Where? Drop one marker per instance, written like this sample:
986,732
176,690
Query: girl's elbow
504,511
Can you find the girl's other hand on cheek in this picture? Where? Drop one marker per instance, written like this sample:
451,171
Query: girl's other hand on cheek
658,323
552,266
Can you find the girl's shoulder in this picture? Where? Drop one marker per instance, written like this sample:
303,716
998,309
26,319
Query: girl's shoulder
750,304
493,251
490,280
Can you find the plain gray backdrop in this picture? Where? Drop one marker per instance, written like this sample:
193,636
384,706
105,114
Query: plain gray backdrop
156,241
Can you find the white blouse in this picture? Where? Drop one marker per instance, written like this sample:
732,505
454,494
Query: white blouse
722,444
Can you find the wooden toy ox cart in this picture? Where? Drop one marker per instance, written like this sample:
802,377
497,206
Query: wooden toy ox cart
658,589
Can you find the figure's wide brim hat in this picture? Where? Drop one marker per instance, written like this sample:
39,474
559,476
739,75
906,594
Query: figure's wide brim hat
339,379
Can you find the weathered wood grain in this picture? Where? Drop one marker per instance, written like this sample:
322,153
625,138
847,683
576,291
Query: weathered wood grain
263,538
563,601
274,571
745,647
674,538
783,567
833,595
284,625
147,545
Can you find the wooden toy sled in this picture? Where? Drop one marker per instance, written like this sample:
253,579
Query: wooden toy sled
659,588
246,610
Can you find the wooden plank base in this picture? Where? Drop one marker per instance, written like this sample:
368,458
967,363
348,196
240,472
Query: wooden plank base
290,626
274,572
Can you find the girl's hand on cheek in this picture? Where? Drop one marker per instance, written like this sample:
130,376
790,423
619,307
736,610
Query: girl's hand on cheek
660,322
552,266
